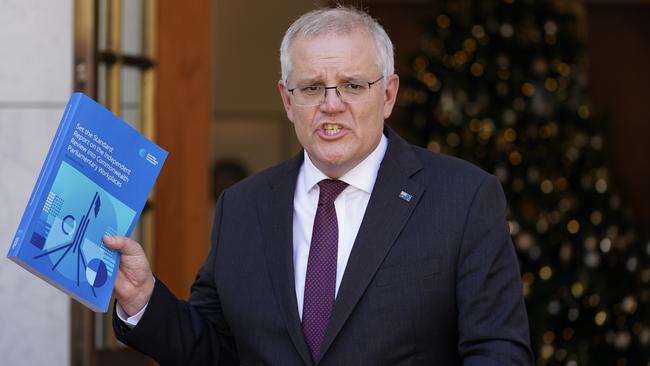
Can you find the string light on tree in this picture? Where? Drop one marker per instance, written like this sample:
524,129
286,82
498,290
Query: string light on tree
502,83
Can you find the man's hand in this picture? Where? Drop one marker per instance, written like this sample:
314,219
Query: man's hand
134,283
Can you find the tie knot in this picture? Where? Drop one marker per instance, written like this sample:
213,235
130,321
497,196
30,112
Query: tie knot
329,190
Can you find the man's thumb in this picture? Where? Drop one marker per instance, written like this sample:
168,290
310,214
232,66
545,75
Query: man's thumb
123,244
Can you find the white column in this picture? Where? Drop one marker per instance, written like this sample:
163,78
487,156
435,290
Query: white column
36,55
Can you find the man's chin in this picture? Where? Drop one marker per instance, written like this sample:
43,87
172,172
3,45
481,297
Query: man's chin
335,161
332,165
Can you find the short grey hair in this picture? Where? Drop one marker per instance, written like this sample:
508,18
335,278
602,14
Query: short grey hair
338,20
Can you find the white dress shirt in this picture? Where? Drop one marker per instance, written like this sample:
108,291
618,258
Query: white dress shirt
350,208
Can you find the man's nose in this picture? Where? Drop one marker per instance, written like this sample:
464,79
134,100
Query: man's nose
332,101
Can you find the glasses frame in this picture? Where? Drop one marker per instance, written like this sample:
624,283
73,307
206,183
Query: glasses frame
336,88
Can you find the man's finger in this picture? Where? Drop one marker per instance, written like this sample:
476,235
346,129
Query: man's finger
123,244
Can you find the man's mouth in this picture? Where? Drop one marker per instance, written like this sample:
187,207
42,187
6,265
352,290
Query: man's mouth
331,129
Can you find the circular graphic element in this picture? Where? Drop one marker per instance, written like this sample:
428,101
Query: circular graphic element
142,152
68,224
96,273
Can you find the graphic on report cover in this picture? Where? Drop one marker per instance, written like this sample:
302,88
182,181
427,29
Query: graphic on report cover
68,234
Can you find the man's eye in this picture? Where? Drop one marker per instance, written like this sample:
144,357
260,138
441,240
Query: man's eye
352,89
352,86
311,89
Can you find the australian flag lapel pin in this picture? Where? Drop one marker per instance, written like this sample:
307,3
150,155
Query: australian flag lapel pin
405,196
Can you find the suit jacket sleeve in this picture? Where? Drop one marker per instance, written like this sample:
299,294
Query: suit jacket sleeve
175,332
492,321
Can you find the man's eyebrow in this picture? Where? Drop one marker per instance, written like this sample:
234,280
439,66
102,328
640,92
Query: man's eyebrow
353,77
310,81
317,80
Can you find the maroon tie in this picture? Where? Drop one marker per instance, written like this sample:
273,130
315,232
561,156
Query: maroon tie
320,281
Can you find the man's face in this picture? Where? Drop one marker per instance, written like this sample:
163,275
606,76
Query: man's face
338,135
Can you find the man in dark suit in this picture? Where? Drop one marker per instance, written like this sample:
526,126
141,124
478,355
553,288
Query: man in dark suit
361,250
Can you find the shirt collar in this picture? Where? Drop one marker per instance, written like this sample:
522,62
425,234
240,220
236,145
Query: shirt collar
362,176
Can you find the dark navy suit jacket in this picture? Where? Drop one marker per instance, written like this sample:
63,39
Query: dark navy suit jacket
433,280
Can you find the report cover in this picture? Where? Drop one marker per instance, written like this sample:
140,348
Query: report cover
95,180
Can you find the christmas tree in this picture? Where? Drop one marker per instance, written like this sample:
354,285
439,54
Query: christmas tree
503,84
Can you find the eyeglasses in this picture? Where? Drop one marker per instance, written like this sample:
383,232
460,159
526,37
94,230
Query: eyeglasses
349,92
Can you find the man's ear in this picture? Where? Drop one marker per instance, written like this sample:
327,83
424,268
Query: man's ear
286,99
390,94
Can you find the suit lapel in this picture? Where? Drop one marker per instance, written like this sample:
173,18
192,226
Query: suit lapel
385,216
276,219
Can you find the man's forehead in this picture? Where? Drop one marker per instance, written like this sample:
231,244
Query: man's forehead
334,36
348,51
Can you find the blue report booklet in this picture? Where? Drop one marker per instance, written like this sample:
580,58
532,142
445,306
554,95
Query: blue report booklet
95,180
